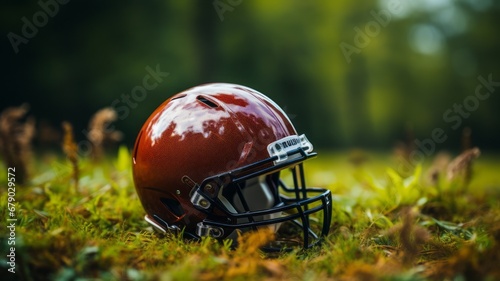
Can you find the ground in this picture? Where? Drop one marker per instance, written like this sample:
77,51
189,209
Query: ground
387,224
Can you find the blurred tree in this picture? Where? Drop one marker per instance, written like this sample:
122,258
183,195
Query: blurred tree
408,62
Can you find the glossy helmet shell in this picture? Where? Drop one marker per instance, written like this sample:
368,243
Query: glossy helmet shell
199,133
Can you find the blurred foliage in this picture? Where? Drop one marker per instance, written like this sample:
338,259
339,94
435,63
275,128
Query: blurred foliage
413,61
385,227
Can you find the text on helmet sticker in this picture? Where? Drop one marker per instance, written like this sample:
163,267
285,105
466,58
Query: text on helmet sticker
282,146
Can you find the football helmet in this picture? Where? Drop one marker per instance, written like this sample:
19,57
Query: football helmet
211,161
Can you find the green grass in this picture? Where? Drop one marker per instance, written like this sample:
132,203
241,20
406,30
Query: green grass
384,227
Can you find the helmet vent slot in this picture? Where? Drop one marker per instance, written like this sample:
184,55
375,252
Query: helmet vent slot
207,101
173,205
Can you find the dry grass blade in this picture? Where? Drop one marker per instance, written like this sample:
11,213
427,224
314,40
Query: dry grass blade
438,167
247,260
100,133
461,166
71,150
411,237
15,139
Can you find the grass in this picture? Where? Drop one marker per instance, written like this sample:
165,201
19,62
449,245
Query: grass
385,227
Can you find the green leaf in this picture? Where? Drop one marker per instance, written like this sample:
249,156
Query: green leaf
454,229
123,160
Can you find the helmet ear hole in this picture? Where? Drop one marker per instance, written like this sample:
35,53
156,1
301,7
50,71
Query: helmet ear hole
173,205
273,181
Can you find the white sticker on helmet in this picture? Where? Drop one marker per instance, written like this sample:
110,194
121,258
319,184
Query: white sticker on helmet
282,146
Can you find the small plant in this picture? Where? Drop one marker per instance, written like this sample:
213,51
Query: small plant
461,167
100,131
71,150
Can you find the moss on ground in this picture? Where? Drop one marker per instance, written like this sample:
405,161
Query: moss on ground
385,226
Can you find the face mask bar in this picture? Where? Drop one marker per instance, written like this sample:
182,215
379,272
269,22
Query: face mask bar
296,209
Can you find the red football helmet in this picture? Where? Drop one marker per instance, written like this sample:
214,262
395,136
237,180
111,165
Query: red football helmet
207,162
